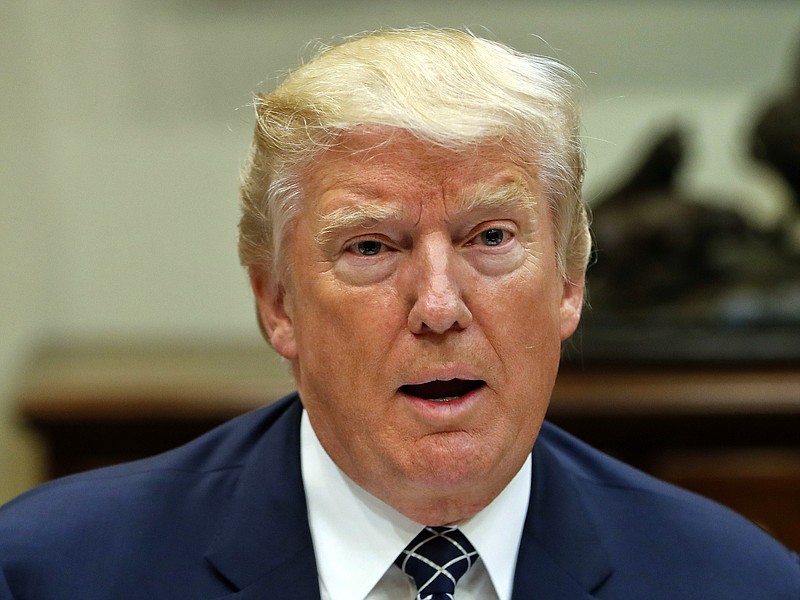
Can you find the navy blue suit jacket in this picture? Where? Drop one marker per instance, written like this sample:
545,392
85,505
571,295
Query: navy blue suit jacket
224,517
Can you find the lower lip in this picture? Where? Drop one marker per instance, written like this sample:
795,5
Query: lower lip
443,409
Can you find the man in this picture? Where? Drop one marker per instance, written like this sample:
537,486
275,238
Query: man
416,242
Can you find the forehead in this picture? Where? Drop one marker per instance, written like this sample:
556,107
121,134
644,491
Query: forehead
396,166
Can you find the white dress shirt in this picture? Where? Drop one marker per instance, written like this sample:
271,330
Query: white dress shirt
357,536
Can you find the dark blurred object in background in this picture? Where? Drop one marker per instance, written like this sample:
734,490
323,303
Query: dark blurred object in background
680,277
666,254
776,136
654,245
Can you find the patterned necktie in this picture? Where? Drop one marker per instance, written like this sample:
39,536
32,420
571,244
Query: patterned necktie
436,559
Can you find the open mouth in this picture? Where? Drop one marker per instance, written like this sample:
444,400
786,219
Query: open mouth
442,391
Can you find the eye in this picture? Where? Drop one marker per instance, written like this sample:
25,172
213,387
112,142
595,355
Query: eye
367,247
493,236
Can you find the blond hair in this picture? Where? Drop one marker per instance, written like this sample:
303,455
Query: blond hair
447,87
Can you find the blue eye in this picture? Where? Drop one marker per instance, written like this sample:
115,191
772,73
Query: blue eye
493,237
368,247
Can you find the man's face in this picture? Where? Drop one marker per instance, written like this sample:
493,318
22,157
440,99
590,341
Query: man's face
423,318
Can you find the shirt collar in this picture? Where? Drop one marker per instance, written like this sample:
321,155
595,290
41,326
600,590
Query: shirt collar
351,527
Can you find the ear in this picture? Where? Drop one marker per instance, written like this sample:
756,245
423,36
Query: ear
571,306
274,315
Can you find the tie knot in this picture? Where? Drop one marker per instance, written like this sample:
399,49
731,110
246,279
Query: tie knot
436,559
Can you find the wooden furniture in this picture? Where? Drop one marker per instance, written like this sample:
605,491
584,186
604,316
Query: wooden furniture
729,432
98,404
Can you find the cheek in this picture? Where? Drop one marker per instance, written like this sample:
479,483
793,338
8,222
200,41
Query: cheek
522,323
340,324
529,300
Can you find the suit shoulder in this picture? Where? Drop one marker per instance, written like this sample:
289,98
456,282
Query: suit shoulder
659,529
587,463
593,469
132,501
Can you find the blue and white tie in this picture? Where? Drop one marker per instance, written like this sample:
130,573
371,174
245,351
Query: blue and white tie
436,559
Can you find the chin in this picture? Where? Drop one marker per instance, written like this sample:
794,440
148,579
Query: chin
455,465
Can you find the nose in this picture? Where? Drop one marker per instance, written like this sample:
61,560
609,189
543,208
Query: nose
438,302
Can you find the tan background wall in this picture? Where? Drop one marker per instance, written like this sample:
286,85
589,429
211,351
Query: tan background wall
123,124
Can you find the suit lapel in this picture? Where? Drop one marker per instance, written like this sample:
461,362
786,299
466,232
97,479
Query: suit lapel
264,549
561,555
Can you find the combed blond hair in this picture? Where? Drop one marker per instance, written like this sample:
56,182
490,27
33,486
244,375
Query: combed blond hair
445,86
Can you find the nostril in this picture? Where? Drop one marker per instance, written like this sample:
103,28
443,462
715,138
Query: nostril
439,315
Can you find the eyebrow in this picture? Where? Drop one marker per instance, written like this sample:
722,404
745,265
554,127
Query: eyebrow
485,196
357,216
